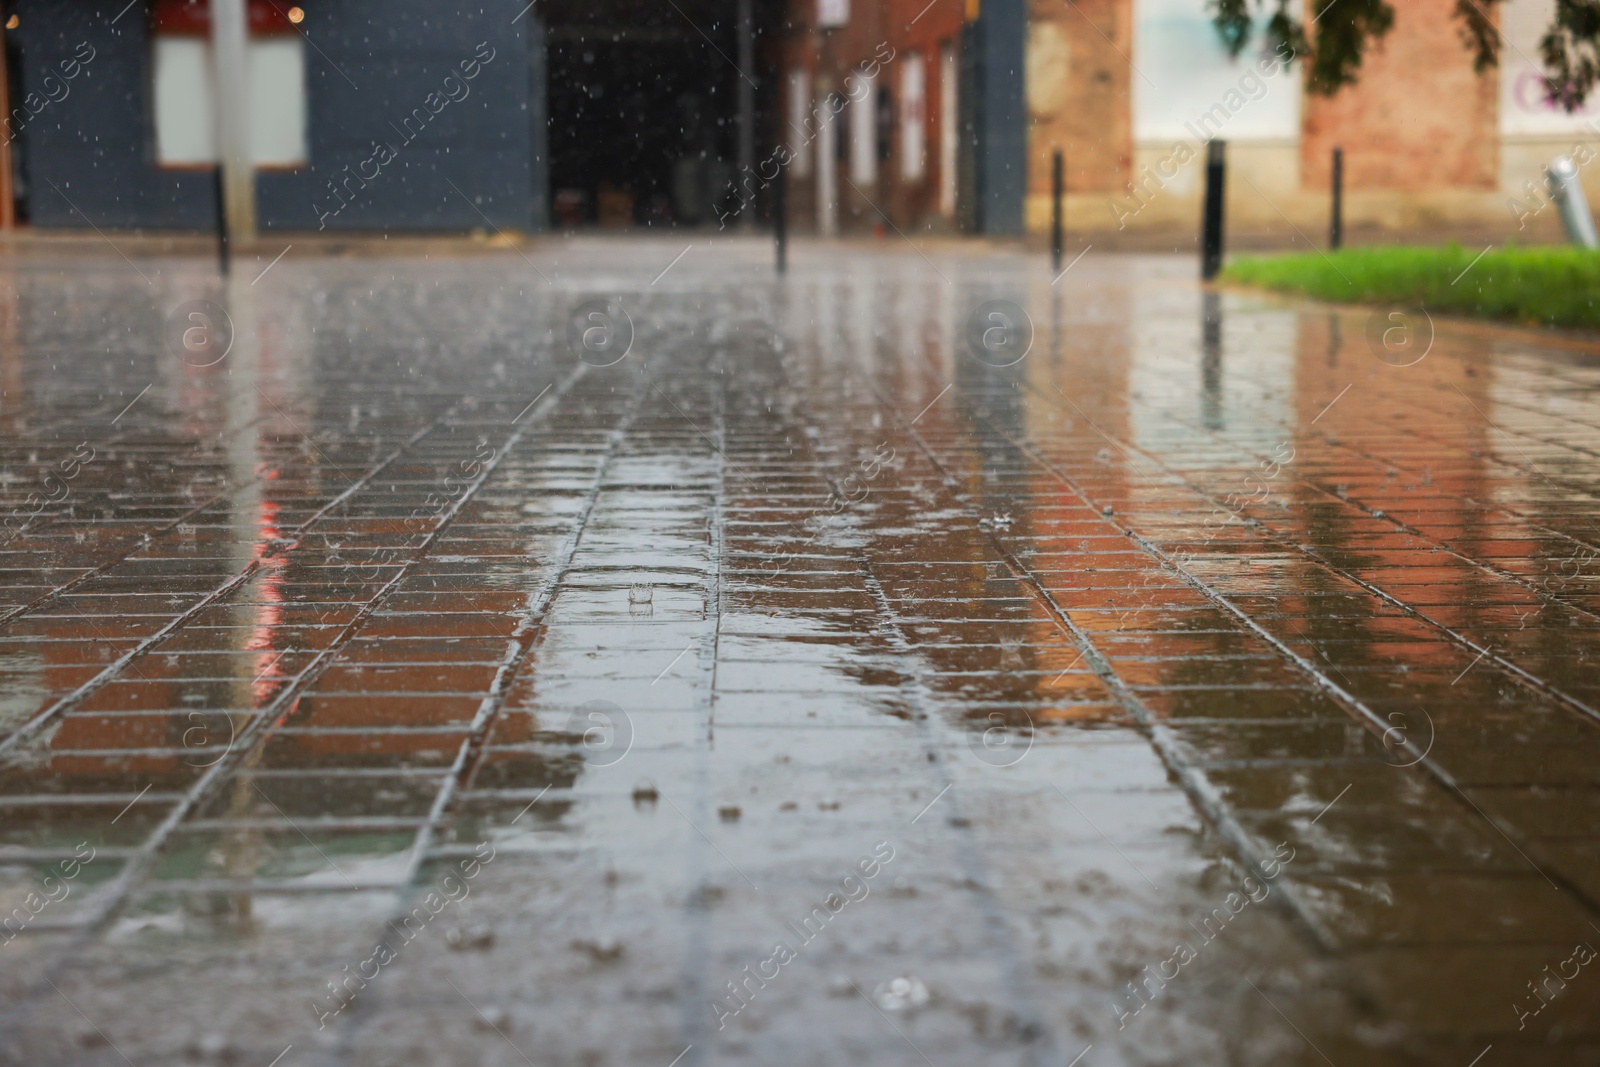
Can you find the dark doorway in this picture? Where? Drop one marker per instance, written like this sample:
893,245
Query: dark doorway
644,112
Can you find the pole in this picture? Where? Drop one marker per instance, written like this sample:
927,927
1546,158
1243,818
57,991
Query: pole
780,216
1211,242
747,103
1567,192
1058,191
8,194
827,161
1336,232
222,221
230,49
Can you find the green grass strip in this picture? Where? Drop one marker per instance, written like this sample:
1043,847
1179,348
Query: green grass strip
1557,286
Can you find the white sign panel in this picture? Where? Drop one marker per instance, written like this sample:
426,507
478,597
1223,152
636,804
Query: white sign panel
1524,108
913,115
833,12
802,127
863,131
1185,80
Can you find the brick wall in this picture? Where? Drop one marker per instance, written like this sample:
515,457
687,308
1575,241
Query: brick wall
1418,120
1079,93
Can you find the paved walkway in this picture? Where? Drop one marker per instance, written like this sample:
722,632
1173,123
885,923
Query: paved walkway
602,657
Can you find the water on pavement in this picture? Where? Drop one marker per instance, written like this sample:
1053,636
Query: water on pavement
590,657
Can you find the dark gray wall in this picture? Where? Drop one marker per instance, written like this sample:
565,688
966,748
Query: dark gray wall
538,119
369,63
1000,134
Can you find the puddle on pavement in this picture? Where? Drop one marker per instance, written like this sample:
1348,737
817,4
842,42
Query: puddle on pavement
1085,639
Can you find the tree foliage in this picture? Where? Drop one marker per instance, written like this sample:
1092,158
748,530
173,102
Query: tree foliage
1333,42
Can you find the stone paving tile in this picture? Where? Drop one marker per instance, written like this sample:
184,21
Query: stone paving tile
981,690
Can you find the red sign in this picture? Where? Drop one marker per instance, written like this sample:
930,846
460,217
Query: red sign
192,18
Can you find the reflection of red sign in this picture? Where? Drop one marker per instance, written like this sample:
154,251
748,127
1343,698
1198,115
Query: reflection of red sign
1531,95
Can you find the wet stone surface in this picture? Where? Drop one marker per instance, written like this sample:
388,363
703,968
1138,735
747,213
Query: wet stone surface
798,672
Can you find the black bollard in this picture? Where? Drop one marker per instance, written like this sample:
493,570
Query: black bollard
1211,234
780,216
222,225
1336,229
1058,192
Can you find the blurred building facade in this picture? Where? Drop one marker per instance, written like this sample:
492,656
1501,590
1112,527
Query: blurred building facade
1130,90
930,115
380,115
360,115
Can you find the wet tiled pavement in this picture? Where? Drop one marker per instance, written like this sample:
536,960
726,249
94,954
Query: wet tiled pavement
431,681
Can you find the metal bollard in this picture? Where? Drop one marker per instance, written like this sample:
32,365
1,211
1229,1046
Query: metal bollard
222,224
1058,192
1567,192
780,216
1336,229
1211,249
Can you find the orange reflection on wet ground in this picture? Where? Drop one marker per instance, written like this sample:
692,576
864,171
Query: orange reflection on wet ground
1200,587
